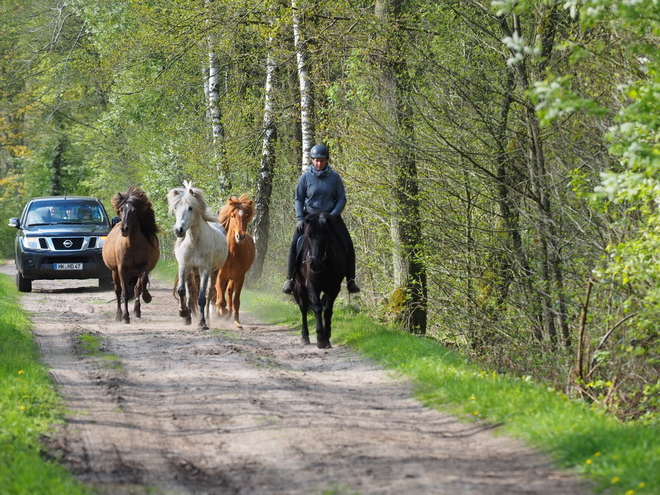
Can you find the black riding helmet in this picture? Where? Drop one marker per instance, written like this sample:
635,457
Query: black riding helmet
319,151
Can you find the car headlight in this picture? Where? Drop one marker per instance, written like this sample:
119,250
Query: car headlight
101,241
31,243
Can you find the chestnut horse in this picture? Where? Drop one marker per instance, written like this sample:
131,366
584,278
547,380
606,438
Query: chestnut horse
235,217
131,250
320,268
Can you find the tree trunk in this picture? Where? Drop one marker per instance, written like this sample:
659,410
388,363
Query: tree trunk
265,179
306,101
212,88
551,285
406,229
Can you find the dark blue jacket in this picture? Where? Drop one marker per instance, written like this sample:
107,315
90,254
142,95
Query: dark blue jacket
320,190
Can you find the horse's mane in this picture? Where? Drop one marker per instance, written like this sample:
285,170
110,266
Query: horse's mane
145,211
243,203
318,223
190,196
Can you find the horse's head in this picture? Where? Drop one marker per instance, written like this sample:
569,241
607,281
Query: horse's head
235,217
129,218
184,216
189,207
135,209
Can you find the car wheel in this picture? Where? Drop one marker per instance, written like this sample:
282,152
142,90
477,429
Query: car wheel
23,284
106,284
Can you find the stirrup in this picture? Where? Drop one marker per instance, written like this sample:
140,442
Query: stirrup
288,286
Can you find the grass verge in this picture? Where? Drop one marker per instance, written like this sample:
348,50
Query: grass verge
29,408
620,458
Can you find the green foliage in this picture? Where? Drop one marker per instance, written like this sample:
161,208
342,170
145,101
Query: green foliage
29,408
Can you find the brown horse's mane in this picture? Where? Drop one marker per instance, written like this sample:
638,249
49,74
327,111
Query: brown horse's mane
146,215
243,203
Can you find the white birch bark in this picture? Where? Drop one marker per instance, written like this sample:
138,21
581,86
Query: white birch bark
212,88
265,179
306,102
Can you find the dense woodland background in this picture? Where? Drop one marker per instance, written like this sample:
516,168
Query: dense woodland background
500,157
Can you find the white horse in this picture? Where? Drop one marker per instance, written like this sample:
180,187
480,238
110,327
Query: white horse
200,249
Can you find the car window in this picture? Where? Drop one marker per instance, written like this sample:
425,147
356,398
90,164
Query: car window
39,215
66,213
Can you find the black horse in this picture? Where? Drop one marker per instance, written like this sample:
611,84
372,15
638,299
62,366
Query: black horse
320,269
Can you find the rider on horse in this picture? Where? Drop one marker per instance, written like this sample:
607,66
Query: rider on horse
320,189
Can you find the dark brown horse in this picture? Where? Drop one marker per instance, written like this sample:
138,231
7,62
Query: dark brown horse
320,268
131,250
235,217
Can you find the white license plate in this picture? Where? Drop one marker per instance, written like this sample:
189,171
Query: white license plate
68,266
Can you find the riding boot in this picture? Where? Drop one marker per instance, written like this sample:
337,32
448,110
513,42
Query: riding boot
351,286
291,265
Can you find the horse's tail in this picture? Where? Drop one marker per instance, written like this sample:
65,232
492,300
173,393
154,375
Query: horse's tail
193,281
130,288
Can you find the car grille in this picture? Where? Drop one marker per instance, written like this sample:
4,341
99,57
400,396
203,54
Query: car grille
68,243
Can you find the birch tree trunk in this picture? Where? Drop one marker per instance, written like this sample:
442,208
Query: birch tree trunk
306,101
212,88
266,168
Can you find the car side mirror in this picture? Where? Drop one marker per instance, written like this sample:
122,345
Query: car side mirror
14,222
114,221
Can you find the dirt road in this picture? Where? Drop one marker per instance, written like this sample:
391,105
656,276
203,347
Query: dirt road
220,411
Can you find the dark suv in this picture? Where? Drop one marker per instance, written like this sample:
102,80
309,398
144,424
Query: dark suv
61,237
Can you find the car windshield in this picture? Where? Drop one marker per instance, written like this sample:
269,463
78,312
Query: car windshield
41,213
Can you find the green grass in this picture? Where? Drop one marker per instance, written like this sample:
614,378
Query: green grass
92,345
29,408
620,458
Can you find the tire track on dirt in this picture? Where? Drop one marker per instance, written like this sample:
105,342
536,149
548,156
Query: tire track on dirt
250,411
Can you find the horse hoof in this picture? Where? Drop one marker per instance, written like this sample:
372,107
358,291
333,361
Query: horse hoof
146,297
238,326
188,320
203,326
127,320
305,341
184,313
324,345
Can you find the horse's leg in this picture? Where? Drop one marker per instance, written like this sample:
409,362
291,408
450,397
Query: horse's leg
302,297
201,297
305,328
146,296
221,288
139,289
321,341
230,298
184,312
238,286
212,300
125,280
117,284
327,302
